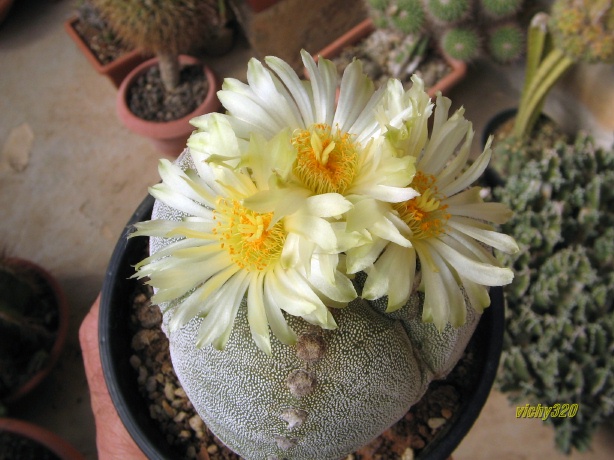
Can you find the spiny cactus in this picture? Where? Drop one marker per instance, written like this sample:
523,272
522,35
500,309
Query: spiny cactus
505,42
459,26
461,43
500,9
448,11
164,27
559,339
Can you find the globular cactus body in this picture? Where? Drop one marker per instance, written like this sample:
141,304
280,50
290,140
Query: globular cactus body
324,397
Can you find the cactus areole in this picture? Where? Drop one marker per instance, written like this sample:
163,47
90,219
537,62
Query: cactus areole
319,264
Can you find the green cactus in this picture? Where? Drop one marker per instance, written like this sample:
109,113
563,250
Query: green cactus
505,43
303,398
448,11
500,9
166,28
560,319
461,43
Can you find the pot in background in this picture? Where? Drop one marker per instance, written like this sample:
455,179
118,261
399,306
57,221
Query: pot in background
169,137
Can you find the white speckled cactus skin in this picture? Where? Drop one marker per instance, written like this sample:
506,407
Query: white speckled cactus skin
372,369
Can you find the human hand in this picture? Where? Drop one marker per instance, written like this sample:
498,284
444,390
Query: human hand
112,439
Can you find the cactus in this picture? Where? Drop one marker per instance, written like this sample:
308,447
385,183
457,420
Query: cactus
310,277
461,43
448,12
459,26
166,28
560,320
576,31
505,43
500,9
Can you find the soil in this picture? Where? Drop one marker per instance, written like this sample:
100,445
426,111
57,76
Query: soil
101,41
148,98
379,55
13,446
27,335
184,429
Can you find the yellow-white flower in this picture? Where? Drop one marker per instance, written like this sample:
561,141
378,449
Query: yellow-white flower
222,251
334,149
448,226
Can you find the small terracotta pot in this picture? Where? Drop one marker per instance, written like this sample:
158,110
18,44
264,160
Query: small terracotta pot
366,28
116,70
61,333
49,440
169,137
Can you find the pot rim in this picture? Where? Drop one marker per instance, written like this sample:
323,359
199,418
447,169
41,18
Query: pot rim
61,333
165,129
56,444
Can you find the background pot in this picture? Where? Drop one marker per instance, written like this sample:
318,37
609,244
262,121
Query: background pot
366,28
46,438
115,349
61,333
169,137
116,70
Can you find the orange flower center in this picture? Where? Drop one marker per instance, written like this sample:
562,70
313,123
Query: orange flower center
326,160
425,214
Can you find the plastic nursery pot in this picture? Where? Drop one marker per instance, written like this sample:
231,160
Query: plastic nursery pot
115,70
48,440
59,298
458,69
121,379
169,137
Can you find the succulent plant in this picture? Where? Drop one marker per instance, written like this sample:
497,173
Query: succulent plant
505,42
314,279
459,26
164,27
560,318
461,43
448,11
500,9
576,31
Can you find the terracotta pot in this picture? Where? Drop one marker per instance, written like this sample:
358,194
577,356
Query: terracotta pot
116,70
49,440
169,137
61,333
366,28
133,409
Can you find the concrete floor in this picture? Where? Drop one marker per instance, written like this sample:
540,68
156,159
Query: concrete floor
81,174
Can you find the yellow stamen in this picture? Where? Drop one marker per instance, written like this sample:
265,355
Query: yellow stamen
326,160
424,214
246,235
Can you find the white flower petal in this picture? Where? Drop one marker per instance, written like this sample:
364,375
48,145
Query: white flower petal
256,314
485,234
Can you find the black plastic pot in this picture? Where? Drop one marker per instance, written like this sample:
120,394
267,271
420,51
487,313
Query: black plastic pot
121,379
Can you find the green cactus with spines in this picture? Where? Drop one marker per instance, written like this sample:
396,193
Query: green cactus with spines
461,43
500,9
163,27
560,315
462,22
505,43
448,12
